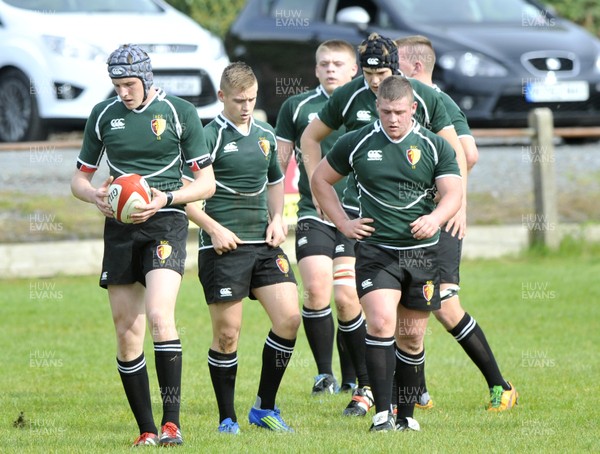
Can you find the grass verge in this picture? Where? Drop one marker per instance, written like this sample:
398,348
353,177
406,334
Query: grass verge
539,312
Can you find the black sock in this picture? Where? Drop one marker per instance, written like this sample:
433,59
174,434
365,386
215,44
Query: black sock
354,332
134,376
380,361
223,371
276,356
422,382
167,356
318,325
422,388
409,369
346,365
471,338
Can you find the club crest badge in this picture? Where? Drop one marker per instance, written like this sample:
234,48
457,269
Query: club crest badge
163,251
265,146
413,154
282,264
158,126
428,291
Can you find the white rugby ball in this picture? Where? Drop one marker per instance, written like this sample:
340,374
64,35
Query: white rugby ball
125,193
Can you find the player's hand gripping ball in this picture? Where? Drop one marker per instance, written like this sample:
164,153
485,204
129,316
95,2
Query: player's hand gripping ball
125,193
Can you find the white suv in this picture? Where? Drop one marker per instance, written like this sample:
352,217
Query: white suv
53,59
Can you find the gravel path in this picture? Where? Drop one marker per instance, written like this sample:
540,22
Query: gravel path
503,175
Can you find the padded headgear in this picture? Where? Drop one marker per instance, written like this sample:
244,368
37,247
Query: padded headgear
130,60
374,57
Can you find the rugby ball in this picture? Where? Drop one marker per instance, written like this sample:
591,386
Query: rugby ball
125,193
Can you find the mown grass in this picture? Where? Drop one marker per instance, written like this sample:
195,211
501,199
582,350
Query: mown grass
46,218
24,218
540,313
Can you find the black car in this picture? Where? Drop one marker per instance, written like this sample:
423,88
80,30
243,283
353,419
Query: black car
498,59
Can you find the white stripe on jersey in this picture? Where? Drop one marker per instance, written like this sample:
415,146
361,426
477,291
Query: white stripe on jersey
245,194
97,125
224,123
354,95
319,91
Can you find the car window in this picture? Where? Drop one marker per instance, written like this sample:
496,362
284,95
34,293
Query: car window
294,9
91,6
468,11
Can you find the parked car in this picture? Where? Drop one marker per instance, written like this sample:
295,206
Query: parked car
53,59
498,59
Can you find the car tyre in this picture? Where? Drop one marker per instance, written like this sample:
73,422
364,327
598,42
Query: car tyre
19,114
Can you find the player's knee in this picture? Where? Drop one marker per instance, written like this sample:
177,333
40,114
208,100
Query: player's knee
288,326
412,344
227,339
380,326
128,327
316,295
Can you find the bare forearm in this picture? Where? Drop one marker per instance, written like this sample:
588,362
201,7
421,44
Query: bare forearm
275,199
203,187
82,188
329,201
450,135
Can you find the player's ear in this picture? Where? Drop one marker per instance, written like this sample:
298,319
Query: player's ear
354,69
419,67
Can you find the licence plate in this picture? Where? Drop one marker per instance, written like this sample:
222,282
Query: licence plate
179,85
557,92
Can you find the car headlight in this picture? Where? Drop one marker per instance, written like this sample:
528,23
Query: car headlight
70,48
472,64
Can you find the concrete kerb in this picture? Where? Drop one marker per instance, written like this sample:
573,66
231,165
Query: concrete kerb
77,258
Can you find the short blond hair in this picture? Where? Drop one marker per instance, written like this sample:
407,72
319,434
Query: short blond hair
418,48
336,45
237,75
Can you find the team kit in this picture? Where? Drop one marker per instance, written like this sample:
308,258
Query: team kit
383,159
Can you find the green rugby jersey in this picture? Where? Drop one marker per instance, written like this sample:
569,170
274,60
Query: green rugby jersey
153,141
244,165
395,179
457,116
293,118
353,105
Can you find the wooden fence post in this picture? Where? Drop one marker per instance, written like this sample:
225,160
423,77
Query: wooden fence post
543,225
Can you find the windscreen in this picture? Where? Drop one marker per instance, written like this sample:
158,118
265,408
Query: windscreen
471,12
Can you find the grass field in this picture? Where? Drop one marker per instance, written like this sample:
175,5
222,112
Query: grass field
540,314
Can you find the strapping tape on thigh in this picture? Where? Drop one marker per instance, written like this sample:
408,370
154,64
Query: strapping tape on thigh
449,292
344,275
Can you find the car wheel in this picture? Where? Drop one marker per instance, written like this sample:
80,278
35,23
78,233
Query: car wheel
19,118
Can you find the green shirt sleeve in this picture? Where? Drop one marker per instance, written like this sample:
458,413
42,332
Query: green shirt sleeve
284,128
